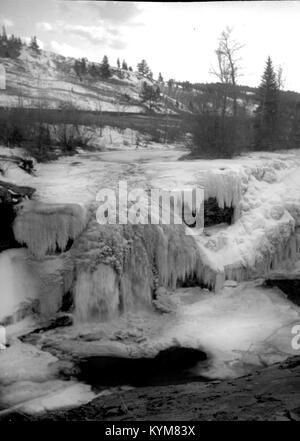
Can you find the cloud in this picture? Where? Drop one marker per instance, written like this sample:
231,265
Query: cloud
95,34
115,11
66,49
6,21
100,35
39,42
99,23
45,26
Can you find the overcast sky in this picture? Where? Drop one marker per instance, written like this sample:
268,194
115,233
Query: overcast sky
177,39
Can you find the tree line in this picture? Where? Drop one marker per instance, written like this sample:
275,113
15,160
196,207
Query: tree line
10,46
223,128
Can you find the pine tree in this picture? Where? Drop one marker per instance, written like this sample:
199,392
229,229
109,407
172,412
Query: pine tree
266,118
124,65
149,94
9,46
143,68
170,83
4,34
105,68
83,65
118,63
130,69
34,44
80,67
160,78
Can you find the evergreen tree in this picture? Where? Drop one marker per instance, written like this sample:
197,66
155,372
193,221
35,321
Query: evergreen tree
170,83
143,68
118,63
266,119
93,70
4,34
105,68
149,94
160,78
34,45
9,46
124,65
83,65
130,69
80,67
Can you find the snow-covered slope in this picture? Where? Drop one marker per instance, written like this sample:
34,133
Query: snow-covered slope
47,80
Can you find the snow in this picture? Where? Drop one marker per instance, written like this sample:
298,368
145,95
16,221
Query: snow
28,381
25,362
114,270
18,284
35,397
240,328
262,238
49,79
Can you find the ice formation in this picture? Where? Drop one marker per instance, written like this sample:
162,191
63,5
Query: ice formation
44,227
30,285
142,257
28,381
18,284
225,186
120,267
126,276
112,269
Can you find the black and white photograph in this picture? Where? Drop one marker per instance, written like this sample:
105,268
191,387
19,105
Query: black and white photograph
149,210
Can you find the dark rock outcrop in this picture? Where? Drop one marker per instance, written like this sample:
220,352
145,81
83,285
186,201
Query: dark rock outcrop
10,195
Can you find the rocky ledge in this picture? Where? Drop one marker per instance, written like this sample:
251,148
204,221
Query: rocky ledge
271,394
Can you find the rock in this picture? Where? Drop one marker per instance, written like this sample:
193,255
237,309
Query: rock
161,290
10,193
230,284
163,301
276,212
294,414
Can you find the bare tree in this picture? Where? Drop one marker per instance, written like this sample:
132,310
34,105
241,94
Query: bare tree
228,68
280,78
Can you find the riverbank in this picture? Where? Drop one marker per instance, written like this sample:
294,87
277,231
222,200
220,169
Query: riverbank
271,394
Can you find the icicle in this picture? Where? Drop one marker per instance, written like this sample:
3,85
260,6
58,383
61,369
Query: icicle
224,186
96,294
117,267
44,227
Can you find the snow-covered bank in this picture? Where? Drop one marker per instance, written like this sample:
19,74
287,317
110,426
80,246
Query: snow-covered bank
28,381
239,328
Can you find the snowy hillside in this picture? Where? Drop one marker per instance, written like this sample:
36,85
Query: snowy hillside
47,80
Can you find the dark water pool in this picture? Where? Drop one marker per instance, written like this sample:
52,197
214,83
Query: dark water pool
171,366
